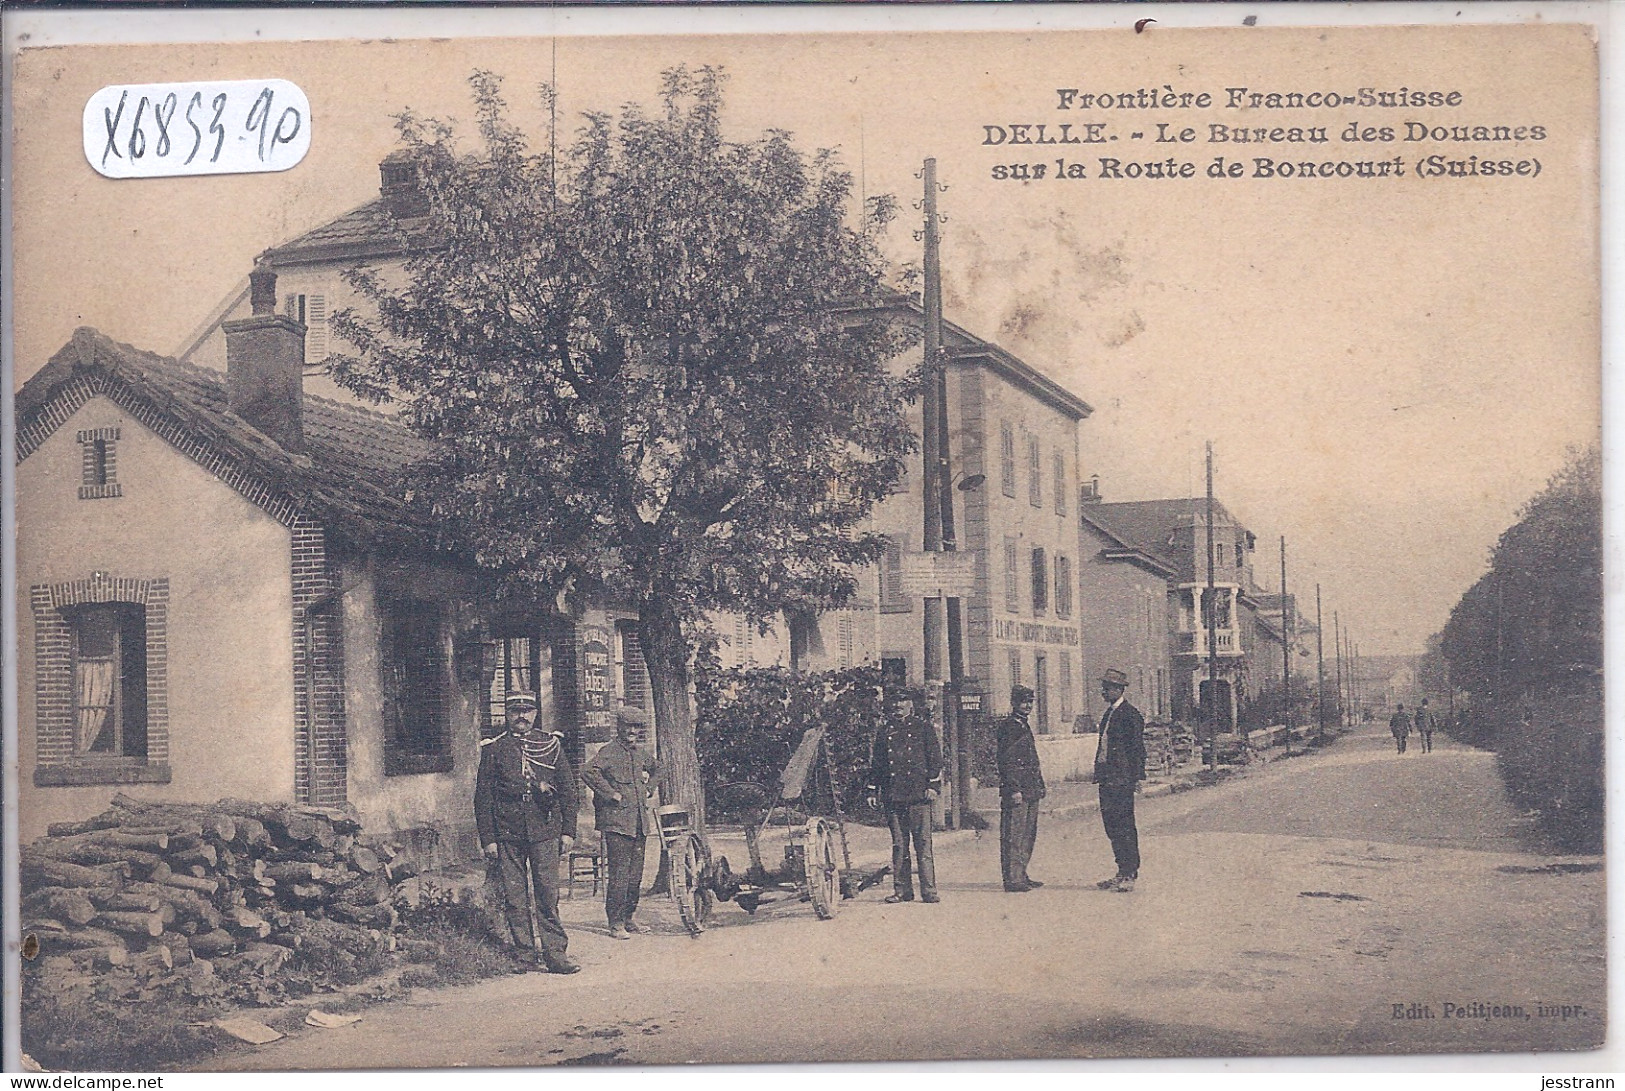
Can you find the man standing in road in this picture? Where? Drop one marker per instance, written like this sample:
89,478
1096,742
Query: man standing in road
1399,724
1021,786
1424,726
1119,768
621,777
905,776
525,810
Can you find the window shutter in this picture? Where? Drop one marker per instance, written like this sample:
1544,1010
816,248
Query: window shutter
1040,582
315,328
1035,474
1007,458
1060,483
1012,578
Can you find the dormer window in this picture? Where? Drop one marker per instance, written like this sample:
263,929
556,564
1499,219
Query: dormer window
98,463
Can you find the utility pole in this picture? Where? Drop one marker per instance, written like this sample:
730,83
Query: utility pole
930,412
1320,660
1286,650
956,748
1342,701
1212,607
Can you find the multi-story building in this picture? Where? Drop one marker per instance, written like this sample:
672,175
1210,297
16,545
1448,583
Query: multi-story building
1176,533
1009,425
1124,611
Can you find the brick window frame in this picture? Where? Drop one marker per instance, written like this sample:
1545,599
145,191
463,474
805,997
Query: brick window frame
98,478
57,764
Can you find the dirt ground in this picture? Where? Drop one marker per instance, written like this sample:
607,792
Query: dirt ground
1353,901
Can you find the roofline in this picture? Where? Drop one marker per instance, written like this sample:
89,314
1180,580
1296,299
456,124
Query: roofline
1128,552
1008,364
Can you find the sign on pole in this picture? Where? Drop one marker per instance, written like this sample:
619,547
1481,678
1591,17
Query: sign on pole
939,575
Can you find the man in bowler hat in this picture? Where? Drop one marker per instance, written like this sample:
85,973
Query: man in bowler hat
525,810
1119,768
1021,786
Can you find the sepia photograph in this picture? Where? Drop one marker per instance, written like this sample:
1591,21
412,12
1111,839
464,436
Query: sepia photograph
541,545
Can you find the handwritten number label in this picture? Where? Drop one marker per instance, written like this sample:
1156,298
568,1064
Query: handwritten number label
160,130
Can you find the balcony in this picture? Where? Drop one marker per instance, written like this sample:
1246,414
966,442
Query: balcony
1226,641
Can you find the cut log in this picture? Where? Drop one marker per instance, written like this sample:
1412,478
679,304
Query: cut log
210,944
62,936
261,959
366,890
306,893
245,922
156,842
60,903
58,873
150,925
352,938
203,855
181,829
127,901
155,959
104,821
189,882
251,832
293,871
364,859
100,959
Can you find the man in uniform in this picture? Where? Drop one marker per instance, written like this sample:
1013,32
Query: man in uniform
525,809
1021,786
1119,768
905,775
621,776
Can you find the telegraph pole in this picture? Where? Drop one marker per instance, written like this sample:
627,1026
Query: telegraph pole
1342,701
1212,701
1320,660
1286,651
930,412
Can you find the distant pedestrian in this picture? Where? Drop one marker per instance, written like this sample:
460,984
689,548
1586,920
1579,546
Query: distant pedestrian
621,776
525,811
1424,726
905,777
1399,724
1119,768
1021,786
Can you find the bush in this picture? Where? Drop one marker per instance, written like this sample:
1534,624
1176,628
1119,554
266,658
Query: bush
449,934
95,1031
750,720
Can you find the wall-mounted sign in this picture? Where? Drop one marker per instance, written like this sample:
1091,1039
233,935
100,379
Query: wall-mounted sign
597,677
935,575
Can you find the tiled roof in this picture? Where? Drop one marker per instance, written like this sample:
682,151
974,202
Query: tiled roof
370,231
1147,525
346,477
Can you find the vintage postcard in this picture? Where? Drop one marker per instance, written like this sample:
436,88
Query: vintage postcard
807,547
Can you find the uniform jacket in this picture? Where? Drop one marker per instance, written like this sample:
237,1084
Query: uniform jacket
1400,724
1122,758
510,807
1425,720
905,761
1018,759
616,770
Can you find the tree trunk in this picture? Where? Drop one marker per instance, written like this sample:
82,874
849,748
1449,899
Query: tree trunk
666,652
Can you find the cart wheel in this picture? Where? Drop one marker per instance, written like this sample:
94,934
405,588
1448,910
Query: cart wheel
687,888
823,868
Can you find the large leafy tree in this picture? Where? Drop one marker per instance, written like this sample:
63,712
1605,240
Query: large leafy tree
655,366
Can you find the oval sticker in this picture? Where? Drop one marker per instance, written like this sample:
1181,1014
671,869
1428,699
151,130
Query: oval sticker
161,130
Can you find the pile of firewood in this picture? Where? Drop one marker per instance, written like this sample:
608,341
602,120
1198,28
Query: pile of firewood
220,898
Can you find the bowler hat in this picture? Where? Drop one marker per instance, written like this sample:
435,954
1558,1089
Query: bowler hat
1115,678
631,714
521,697
1019,694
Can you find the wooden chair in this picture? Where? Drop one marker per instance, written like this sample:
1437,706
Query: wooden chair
586,862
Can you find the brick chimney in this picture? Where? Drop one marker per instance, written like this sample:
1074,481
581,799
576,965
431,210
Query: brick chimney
400,186
265,365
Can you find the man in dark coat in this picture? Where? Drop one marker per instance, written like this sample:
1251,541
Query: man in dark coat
1399,725
905,776
1021,786
621,776
525,809
1119,768
1425,726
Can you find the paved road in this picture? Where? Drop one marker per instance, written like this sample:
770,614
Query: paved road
1288,911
